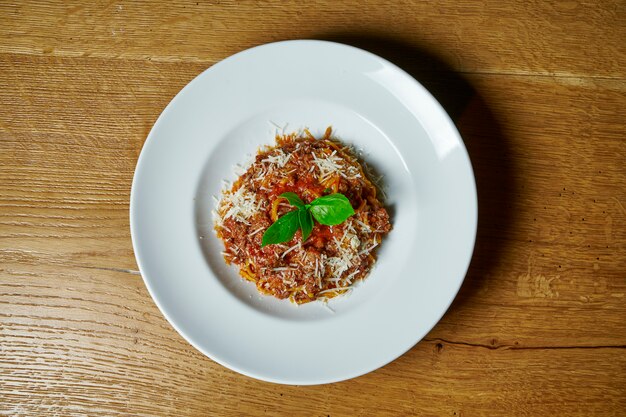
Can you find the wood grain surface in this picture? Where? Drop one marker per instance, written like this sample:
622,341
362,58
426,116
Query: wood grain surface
538,92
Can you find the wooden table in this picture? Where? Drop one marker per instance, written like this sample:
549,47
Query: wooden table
538,91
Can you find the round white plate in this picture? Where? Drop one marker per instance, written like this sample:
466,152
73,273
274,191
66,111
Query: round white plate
219,120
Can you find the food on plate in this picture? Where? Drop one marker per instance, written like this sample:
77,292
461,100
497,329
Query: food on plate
303,220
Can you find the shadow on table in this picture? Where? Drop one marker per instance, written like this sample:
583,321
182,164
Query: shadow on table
487,147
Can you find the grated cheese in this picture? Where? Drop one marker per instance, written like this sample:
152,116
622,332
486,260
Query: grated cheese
355,242
256,231
345,232
339,265
217,219
294,247
242,205
283,268
365,227
368,249
328,166
280,159
349,277
260,175
353,173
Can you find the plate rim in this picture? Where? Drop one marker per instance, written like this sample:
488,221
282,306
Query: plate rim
164,310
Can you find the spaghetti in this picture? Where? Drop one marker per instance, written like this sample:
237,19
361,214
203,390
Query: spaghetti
333,257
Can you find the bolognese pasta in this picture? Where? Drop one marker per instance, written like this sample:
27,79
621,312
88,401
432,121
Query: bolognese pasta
331,257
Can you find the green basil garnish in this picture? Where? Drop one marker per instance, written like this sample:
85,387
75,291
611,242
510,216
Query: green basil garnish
293,199
306,223
329,210
282,230
332,209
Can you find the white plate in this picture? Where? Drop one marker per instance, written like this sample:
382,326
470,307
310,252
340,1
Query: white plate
218,120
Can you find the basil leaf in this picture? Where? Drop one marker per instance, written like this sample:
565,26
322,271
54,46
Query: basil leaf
331,209
282,230
306,223
293,199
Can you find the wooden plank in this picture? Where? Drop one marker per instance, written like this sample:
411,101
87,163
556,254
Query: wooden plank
69,148
534,37
92,342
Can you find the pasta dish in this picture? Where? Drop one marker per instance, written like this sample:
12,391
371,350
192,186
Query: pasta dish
330,258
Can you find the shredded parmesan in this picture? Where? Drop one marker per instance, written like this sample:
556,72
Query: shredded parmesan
345,232
355,242
294,247
368,249
339,265
217,219
353,173
328,166
282,268
349,277
280,159
256,231
242,205
365,227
